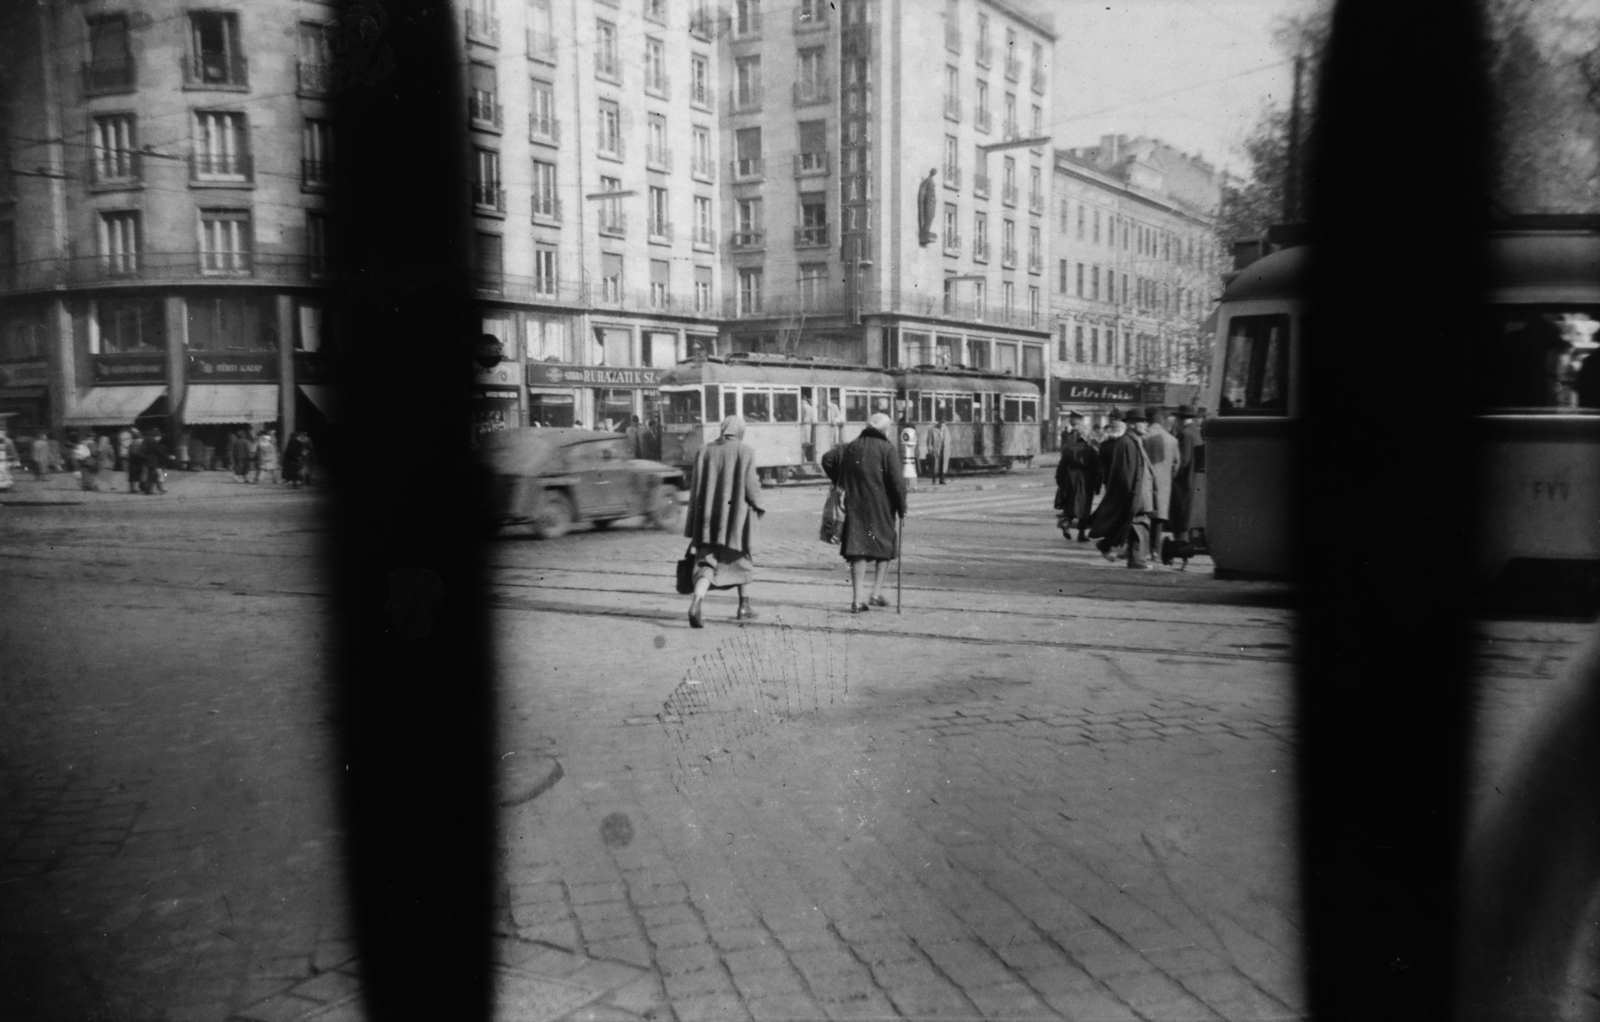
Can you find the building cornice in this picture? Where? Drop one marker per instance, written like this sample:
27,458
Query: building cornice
1010,11
1065,164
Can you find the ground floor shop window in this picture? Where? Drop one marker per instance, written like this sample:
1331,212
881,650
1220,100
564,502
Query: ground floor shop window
613,408
553,410
129,325
232,324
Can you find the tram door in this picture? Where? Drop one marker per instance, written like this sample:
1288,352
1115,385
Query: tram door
985,412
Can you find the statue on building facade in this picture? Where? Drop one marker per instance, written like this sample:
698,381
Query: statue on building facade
926,198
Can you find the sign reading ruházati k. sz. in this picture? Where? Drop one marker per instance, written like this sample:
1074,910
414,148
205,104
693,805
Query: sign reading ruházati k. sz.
560,374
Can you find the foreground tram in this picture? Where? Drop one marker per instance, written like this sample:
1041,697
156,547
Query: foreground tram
1535,426
992,420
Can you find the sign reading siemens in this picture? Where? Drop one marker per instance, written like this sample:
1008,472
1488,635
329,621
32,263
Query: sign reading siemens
559,374
233,366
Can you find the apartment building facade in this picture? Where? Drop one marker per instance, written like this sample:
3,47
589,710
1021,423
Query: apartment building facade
1135,275
164,215
835,124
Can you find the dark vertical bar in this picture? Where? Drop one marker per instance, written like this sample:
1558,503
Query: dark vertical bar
1292,175
1397,191
414,708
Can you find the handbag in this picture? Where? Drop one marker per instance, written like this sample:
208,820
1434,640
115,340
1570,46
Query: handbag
686,572
833,517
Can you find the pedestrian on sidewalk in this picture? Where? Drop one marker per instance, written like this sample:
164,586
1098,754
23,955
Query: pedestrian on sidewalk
39,451
266,457
9,461
724,503
124,440
1077,478
53,449
239,456
1162,448
156,457
868,470
135,461
1123,517
938,452
1188,431
105,456
88,466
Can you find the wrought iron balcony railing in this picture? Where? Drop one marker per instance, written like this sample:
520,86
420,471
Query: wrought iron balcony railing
952,37
813,236
817,91
984,53
810,16
216,68
952,242
952,108
488,197
980,185
546,207
952,177
314,79
1036,202
483,27
702,168
121,167
982,119
1013,67
658,157
614,224
659,85
660,230
811,163
748,240
1008,194
316,173
749,170
544,128
484,112
220,167
745,100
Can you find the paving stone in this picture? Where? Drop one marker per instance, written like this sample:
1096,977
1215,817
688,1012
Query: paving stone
522,995
1093,1004
968,964
599,931
767,982
825,961
344,1011
550,962
604,975
1117,962
711,1008
689,958
668,915
282,1008
755,959
696,984
1234,997
330,986
641,995
627,949
599,1013
792,1007
873,1006
806,939
1010,1001
676,935
1155,997
1032,955
659,894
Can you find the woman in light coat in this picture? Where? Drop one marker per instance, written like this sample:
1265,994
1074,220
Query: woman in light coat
724,503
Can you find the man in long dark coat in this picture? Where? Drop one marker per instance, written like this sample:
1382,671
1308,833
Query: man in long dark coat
1077,478
1123,516
868,470
1183,479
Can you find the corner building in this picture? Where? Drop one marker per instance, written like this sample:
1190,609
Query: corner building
838,114
164,220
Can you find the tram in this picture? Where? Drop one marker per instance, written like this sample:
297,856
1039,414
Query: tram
992,419
1535,405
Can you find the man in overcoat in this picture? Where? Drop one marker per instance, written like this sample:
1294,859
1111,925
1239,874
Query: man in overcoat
1123,516
1188,428
1162,447
938,453
1077,477
724,503
868,470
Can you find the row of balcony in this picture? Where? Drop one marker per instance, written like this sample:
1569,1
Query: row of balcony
206,69
125,168
607,292
815,297
755,169
160,267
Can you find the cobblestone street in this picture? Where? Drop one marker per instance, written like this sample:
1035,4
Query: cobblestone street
1046,790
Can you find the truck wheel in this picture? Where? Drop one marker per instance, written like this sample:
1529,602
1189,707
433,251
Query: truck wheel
552,516
666,513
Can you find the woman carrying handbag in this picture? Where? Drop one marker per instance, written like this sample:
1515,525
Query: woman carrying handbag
724,503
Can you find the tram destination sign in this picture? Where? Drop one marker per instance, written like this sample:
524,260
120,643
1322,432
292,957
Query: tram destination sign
560,374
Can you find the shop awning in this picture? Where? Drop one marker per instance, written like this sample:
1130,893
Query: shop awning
321,395
113,406
230,403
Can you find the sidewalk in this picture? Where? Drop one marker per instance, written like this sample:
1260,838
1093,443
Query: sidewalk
61,488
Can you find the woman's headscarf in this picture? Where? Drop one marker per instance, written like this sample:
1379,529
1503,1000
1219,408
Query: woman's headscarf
881,422
733,426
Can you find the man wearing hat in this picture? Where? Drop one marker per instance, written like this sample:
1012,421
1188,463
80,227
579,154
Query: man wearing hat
1077,478
1123,516
1188,429
1162,447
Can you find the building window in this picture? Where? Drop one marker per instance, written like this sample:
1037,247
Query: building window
700,162
747,153
1097,227
747,83
1080,291
813,286
702,289
110,64
657,154
984,49
315,64
660,289
750,291
1035,250
1033,317
1111,285
980,106
746,18
1011,116
703,227
225,241
611,291
215,54
747,217
1080,221
319,244
659,221
611,220
542,124
606,64
125,325
656,10
1008,182
483,108
232,324
1077,344
316,161
115,159
980,236
487,194
1036,189
544,270
813,229
610,140
1008,242
1061,282
952,229
1094,283
700,81
545,203
119,243
811,85
221,147
655,67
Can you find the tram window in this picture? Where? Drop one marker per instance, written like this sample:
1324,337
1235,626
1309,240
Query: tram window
1255,375
964,408
682,407
855,406
1012,409
1030,410
882,403
730,402
785,406
1537,358
926,412
758,406
912,404
943,409
713,399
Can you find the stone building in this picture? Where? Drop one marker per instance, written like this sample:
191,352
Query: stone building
1136,272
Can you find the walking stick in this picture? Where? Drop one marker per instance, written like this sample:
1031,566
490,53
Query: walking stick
899,565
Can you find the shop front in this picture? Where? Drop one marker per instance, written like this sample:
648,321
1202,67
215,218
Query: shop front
496,398
25,396
225,392
1095,399
604,397
124,390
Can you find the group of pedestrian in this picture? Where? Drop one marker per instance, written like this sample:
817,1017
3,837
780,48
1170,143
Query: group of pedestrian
725,503
255,456
1143,474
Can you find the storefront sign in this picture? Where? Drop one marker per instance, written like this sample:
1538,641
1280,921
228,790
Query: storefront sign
558,374
223,367
1098,392
129,368
24,374
503,375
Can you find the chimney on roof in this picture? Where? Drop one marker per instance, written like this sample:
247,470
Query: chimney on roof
1109,149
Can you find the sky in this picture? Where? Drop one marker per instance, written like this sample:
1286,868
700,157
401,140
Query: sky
1193,73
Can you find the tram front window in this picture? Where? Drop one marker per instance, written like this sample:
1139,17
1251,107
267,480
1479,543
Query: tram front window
1537,359
682,407
785,407
855,407
963,409
757,406
1256,370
